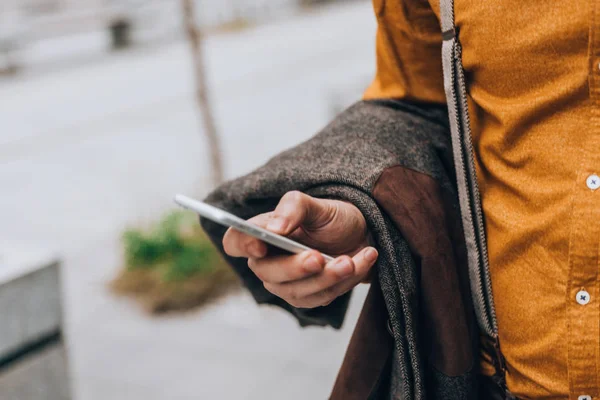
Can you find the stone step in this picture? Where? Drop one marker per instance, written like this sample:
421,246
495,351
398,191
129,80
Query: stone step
32,354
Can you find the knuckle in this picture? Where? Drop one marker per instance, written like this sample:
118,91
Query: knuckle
259,220
259,273
247,245
352,264
315,304
326,295
270,288
252,265
296,303
292,294
294,196
326,303
347,259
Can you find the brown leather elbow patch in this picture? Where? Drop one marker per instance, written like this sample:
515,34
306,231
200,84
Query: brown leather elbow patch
426,217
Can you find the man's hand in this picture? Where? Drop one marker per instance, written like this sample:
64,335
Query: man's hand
304,280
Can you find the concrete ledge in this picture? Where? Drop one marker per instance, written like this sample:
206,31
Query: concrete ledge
39,376
33,364
30,302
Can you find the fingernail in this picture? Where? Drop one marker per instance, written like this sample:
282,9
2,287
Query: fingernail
371,255
277,224
342,268
312,264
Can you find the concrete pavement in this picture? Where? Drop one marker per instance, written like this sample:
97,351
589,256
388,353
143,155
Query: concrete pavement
86,151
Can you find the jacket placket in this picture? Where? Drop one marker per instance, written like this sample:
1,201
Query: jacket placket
468,189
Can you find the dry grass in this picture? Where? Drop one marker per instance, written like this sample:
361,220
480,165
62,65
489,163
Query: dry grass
172,267
158,297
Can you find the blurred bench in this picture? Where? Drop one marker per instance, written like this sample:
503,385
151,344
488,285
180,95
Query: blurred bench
33,362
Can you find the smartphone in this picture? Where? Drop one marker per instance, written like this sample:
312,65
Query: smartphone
227,219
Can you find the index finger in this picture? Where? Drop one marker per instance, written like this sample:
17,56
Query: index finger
238,244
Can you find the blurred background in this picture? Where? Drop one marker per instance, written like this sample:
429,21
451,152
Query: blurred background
107,109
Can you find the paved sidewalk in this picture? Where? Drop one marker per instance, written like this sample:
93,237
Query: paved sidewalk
86,151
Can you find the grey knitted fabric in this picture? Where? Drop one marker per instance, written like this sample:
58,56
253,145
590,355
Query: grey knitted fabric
344,161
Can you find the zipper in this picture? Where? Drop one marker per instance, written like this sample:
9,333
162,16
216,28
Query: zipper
470,200
476,197
468,187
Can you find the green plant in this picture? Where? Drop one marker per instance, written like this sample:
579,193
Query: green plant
145,249
172,265
193,259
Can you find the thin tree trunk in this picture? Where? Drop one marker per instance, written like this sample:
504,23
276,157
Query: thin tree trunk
195,38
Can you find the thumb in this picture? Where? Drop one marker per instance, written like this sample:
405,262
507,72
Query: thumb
294,209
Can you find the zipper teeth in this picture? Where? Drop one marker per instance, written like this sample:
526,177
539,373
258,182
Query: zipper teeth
479,278
453,67
485,260
484,271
